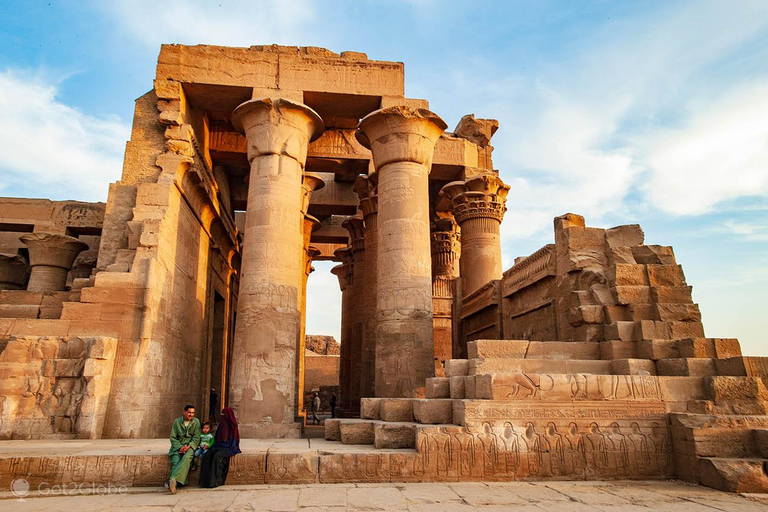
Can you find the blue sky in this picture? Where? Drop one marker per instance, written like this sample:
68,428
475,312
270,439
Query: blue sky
625,112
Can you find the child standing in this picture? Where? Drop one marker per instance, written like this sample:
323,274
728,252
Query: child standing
206,441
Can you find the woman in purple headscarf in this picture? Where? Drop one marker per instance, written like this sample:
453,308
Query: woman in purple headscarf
215,465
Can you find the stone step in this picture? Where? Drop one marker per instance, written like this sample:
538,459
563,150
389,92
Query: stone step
743,475
438,387
542,366
730,395
725,442
713,348
686,366
413,410
382,435
524,349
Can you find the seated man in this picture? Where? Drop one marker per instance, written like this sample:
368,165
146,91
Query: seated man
185,437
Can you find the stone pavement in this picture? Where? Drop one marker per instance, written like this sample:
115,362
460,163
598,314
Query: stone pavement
619,496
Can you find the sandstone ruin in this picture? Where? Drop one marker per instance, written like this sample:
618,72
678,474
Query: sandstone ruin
585,360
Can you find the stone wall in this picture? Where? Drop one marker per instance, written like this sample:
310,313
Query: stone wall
592,284
54,387
321,374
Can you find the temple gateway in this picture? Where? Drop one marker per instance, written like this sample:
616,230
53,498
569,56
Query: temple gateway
584,360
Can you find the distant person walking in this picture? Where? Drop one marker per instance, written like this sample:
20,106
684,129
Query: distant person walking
185,438
315,409
226,444
333,405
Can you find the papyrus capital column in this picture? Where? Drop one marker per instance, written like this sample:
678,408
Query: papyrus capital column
51,257
267,334
345,273
402,141
446,248
356,228
365,186
478,205
445,270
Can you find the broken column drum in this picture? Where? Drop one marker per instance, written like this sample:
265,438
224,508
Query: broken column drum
51,258
267,332
402,141
478,205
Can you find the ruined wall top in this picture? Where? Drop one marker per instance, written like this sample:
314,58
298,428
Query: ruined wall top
291,68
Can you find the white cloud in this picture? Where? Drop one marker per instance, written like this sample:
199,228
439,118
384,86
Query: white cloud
721,153
225,22
655,103
51,147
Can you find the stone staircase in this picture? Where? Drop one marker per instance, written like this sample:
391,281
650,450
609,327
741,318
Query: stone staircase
722,441
518,409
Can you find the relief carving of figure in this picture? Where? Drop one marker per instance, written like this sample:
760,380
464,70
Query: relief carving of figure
490,449
637,444
532,442
464,447
596,454
553,444
617,446
661,447
575,448
442,445
511,441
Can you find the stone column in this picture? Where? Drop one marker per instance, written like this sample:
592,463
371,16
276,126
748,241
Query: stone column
445,270
51,257
345,275
14,271
356,230
365,186
264,373
309,183
402,141
310,224
478,207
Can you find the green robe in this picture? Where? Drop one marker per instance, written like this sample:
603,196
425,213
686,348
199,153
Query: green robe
180,436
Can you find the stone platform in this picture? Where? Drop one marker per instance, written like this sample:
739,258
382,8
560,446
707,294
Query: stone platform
144,462
621,496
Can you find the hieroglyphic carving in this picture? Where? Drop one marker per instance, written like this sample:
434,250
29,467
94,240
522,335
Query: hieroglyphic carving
535,449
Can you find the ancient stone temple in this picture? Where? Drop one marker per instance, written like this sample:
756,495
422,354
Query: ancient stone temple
585,360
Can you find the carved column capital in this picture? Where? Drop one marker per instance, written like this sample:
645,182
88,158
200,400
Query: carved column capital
479,197
365,186
347,257
309,183
51,257
341,273
356,228
446,248
401,134
312,253
277,127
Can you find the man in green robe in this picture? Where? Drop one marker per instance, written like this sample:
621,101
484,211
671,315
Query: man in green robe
185,436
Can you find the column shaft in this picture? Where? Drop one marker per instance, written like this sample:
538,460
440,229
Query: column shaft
365,186
402,142
478,205
345,357
264,376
